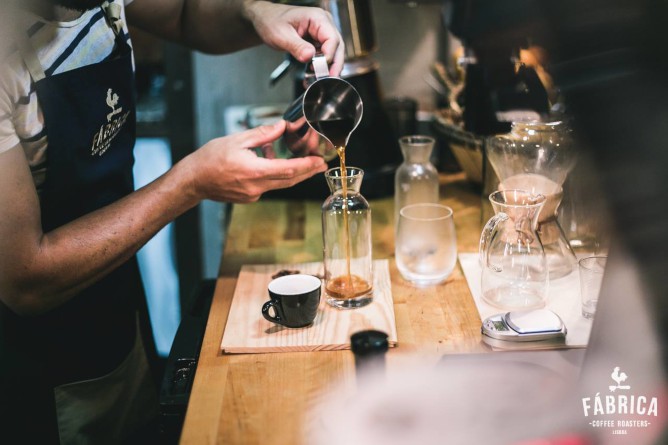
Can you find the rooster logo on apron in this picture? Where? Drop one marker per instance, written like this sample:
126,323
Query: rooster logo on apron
107,133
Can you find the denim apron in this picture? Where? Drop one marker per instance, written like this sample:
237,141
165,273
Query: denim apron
79,373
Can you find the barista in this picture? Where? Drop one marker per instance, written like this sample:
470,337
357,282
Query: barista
73,367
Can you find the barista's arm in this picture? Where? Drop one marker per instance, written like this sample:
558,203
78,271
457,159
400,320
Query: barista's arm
40,271
223,26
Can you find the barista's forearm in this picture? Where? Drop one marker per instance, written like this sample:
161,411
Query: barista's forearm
40,271
71,257
212,26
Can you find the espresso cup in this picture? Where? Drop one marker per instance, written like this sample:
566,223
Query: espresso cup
295,300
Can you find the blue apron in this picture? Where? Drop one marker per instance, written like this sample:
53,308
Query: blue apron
79,373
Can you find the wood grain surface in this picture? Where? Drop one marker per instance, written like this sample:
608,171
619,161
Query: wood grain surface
248,332
264,398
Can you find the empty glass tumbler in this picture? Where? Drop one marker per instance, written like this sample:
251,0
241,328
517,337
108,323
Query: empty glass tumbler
426,243
591,277
346,232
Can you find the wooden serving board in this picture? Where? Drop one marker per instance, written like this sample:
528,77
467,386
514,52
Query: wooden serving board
248,332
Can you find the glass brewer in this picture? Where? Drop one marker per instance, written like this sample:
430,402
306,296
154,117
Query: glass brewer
514,267
537,157
346,232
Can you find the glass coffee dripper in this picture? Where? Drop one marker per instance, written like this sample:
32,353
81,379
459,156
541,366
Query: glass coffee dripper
514,267
537,157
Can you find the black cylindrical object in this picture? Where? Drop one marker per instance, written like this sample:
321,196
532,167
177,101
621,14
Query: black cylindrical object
369,348
402,112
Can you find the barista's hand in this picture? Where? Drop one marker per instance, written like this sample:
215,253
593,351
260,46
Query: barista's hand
225,169
291,28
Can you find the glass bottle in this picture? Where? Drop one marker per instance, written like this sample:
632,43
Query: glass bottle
346,233
416,179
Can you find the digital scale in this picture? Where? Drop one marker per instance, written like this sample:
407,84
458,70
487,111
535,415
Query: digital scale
524,330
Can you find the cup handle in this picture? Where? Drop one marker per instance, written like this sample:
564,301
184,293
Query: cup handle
265,312
486,236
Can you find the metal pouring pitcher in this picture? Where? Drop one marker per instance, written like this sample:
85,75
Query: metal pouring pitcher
330,107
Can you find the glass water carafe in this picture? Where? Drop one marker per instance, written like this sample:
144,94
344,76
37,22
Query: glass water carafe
514,267
346,232
537,157
416,179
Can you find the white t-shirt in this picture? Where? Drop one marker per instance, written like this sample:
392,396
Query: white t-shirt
60,47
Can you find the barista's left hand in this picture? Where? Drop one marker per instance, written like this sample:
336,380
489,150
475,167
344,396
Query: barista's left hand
292,28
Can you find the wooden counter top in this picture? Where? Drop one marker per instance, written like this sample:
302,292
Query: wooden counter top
262,398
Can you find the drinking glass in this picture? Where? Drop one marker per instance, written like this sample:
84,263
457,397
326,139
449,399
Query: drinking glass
426,244
591,276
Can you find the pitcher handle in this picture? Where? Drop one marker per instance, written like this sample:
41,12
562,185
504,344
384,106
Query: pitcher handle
320,68
486,237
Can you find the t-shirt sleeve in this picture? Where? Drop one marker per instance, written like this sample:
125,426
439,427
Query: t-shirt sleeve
8,136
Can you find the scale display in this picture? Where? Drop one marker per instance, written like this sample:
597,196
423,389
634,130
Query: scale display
541,325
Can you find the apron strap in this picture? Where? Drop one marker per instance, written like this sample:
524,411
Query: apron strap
112,12
30,59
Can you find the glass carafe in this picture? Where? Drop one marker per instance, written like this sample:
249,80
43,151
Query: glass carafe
416,179
537,157
514,266
346,232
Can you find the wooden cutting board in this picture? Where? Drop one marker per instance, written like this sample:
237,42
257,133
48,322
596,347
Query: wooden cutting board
248,332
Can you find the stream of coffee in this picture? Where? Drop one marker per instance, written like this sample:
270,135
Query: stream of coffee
341,150
349,285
